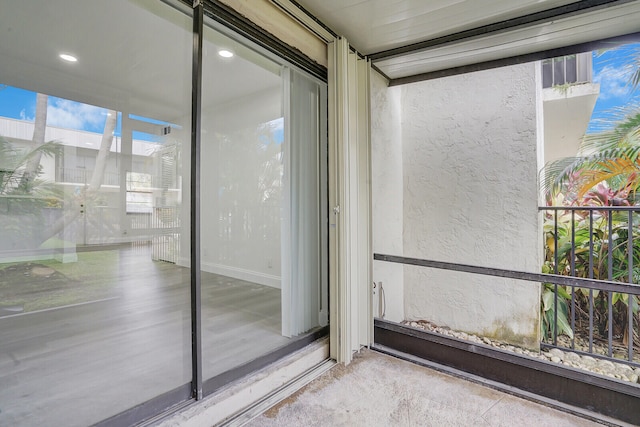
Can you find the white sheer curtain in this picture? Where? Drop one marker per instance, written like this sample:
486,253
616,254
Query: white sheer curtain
304,286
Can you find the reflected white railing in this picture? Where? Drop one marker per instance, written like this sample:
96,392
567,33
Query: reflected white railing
83,176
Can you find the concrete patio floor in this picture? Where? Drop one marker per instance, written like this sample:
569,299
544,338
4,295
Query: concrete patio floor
380,390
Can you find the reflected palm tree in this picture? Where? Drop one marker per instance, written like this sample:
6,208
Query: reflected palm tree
22,200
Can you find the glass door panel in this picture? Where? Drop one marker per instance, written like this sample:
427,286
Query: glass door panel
94,302
261,204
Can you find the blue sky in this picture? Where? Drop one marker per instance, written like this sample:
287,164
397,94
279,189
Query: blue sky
21,104
610,72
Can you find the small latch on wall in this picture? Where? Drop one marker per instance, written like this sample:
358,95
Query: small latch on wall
382,303
336,210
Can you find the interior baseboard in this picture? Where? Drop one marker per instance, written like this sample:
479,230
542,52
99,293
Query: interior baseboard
242,274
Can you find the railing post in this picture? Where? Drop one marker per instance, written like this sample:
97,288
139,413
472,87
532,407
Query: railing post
590,277
610,276
630,297
573,273
555,285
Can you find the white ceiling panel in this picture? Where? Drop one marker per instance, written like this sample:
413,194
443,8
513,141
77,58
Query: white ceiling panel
377,25
610,22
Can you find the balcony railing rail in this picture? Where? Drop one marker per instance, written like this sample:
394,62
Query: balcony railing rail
558,278
514,274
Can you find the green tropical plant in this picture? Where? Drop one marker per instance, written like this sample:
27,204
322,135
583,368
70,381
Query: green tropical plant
590,259
548,308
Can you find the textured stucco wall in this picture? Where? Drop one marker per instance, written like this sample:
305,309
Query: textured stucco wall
470,161
386,181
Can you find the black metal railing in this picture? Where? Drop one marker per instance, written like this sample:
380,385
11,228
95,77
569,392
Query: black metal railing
595,242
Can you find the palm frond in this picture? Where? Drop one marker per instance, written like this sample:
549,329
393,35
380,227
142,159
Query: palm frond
634,78
605,171
626,60
556,174
12,161
618,128
582,173
48,149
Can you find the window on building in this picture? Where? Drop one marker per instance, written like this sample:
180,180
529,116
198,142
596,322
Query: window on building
567,69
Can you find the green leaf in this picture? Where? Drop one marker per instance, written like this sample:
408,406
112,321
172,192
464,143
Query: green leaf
547,299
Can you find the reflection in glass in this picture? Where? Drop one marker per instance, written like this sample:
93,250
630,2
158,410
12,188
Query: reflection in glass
94,309
95,172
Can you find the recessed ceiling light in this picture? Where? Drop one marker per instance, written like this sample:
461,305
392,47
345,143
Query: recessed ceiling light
225,53
68,58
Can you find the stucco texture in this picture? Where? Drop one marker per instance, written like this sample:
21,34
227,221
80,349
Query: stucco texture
386,195
469,170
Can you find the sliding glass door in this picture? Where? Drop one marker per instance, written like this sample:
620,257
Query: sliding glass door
261,204
97,296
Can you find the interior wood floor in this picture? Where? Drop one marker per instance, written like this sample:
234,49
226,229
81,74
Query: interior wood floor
78,365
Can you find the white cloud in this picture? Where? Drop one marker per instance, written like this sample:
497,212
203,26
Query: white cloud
276,124
613,82
74,115
23,116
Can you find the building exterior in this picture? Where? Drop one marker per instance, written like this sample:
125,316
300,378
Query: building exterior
569,96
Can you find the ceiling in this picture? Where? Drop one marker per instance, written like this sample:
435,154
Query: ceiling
130,73
377,25
407,38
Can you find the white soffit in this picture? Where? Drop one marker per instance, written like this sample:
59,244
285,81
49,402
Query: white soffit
601,24
377,25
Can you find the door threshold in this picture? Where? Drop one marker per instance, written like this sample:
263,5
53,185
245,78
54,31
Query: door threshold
241,401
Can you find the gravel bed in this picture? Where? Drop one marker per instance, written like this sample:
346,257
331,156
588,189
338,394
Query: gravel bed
607,368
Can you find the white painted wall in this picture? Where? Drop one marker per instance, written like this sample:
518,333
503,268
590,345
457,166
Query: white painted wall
387,196
469,168
567,114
